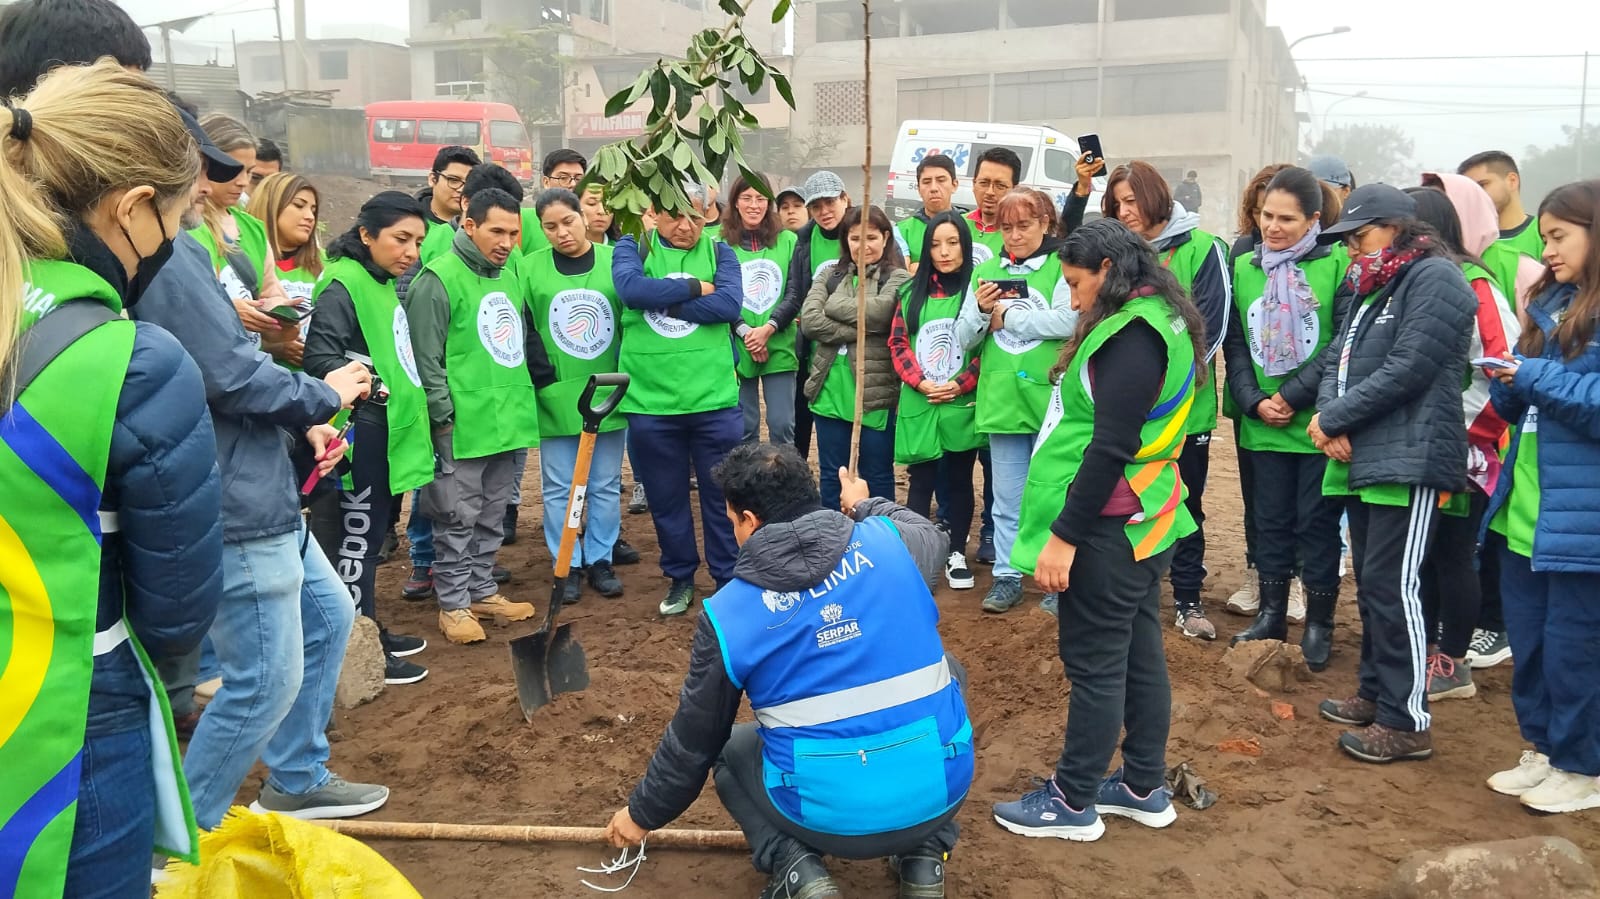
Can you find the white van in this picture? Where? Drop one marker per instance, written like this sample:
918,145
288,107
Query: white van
1049,160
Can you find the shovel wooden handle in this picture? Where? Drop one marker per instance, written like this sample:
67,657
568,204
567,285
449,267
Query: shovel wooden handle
515,833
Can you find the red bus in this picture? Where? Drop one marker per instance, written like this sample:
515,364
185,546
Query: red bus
404,135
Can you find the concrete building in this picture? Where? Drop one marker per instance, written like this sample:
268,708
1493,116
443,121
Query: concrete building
1183,84
356,70
602,46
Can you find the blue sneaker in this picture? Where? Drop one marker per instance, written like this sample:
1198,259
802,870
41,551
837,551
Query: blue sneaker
1154,810
1051,604
1045,813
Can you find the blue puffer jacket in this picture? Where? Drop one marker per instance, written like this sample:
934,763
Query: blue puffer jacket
1567,392
163,568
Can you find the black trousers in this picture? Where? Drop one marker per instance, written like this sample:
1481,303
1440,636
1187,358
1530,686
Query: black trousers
1391,545
774,839
950,477
1491,615
1295,523
1247,494
1451,592
1189,557
350,524
1110,645
802,406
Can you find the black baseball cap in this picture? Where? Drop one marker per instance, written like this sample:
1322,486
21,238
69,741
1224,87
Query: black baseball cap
1367,204
220,167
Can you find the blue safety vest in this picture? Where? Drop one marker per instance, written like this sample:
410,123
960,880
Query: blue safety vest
863,726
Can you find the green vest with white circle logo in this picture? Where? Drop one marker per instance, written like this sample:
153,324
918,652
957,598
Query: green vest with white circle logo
576,316
765,272
925,431
485,361
677,367
1014,379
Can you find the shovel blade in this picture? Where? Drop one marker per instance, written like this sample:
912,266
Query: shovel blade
566,663
529,657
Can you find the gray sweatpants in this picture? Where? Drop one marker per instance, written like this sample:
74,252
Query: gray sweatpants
466,540
779,389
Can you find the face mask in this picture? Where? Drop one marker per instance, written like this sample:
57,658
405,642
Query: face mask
149,266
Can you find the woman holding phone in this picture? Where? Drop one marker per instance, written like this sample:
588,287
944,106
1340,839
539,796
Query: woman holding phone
936,433
1016,316
359,317
829,320
287,205
1547,506
767,361
1101,514
1286,305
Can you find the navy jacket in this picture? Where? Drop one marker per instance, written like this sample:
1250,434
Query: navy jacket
163,568
257,406
1567,392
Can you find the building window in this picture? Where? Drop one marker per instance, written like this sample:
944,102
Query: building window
1050,94
955,97
617,75
267,68
737,91
841,102
1044,13
840,20
1162,9
441,133
333,65
440,10
457,72
1169,89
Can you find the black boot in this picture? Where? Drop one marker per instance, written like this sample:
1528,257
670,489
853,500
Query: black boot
921,874
802,877
509,527
1317,642
1270,623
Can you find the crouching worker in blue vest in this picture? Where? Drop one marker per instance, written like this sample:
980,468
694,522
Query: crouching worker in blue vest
861,747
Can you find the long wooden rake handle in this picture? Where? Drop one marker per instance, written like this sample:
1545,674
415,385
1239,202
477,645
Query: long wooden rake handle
516,833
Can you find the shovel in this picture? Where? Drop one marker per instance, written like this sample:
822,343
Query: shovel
550,661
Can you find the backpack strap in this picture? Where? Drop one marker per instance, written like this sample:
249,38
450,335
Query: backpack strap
50,336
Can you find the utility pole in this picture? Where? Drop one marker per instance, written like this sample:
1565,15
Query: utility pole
1583,111
300,47
283,52
166,53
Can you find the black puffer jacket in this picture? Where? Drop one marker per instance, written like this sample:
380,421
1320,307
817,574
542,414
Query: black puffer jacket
1400,400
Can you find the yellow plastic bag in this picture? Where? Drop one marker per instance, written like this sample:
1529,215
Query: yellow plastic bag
250,856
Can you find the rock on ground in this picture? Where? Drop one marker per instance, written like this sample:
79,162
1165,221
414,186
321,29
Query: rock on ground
1529,868
361,679
1268,664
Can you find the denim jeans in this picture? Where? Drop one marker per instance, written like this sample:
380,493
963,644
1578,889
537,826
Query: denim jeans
833,453
419,533
115,831
557,457
1010,453
519,467
280,637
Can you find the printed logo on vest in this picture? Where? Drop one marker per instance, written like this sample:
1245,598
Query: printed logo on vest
664,324
500,329
581,323
822,269
779,602
836,628
980,254
763,285
1053,414
1012,344
298,291
402,346
1308,331
939,354
36,300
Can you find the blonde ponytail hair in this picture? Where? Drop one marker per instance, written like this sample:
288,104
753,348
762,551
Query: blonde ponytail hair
94,129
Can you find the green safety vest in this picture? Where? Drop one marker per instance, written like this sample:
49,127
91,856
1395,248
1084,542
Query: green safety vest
1324,275
1185,262
764,274
923,431
301,287
436,242
837,397
485,359
1069,427
990,239
1014,377
54,446
1503,260
1518,516
388,335
533,239
713,231
1528,241
915,231
580,314
677,367
824,254
252,241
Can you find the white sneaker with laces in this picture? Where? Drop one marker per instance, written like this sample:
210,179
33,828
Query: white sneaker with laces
1297,602
1247,599
1564,791
957,572
1488,648
1532,770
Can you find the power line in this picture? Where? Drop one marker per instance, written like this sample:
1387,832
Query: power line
1479,56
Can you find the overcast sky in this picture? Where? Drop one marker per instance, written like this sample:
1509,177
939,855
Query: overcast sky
1451,108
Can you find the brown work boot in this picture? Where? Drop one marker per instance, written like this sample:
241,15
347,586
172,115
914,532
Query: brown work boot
1381,745
1354,711
460,627
498,606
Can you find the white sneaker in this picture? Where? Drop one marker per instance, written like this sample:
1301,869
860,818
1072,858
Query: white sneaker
957,572
1564,791
1297,602
1532,770
1247,599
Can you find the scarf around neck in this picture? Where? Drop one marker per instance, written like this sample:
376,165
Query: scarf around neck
1371,273
1286,307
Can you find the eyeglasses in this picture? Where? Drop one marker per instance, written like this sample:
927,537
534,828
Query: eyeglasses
564,180
1001,186
454,181
755,200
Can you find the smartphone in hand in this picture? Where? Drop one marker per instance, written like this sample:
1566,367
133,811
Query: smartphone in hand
1493,364
1089,150
1011,288
289,315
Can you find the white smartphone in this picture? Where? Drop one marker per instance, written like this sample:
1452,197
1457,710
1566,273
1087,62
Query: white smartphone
1493,363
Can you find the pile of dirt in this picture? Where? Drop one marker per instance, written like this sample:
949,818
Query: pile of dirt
1294,816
